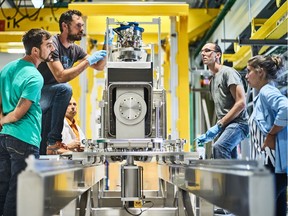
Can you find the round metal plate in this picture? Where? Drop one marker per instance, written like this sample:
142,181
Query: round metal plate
130,108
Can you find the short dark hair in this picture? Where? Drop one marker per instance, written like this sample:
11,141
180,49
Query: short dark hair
34,38
66,17
218,49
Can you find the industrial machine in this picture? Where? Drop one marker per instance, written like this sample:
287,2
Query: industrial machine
134,106
133,128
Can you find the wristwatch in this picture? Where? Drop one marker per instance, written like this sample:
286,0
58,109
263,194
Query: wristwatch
219,124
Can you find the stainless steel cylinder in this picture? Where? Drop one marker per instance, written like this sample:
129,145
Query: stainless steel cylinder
131,182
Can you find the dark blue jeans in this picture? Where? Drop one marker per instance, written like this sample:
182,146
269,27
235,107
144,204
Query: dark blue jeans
13,153
54,101
225,146
280,190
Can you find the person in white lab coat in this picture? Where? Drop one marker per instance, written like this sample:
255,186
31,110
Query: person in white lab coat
72,135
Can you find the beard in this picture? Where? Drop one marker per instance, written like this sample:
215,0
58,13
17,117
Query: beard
47,59
74,37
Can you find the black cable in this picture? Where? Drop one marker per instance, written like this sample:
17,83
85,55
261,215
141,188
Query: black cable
26,10
141,211
2,3
8,17
24,16
126,209
36,14
17,7
54,9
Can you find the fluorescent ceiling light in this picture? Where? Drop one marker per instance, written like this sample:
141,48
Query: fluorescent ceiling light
37,3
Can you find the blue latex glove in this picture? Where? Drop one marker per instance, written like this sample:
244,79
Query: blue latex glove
111,34
209,135
96,56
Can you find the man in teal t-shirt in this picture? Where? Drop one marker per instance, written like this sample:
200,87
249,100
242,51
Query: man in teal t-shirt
20,114
21,80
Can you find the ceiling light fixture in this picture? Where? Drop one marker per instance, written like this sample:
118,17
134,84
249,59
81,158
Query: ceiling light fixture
37,3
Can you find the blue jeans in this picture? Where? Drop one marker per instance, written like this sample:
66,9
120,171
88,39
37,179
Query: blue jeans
226,144
54,101
13,153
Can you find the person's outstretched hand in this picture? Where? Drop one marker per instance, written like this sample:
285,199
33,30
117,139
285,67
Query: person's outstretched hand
111,34
209,135
96,56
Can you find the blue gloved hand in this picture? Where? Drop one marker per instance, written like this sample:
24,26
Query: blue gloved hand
209,135
111,34
213,131
96,56
201,140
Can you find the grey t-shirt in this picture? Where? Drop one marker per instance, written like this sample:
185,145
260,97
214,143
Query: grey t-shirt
220,91
67,56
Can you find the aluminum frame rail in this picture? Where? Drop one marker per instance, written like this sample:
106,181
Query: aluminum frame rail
47,186
243,187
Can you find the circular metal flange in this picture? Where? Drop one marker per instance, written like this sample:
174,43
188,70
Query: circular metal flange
130,108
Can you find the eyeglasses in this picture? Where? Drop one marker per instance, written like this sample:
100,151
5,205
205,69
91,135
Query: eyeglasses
207,50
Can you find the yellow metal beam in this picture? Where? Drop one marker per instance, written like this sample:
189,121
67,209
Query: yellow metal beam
183,82
199,32
14,36
256,23
6,37
199,22
275,34
131,9
274,28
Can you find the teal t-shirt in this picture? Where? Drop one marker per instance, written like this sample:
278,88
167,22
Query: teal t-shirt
21,79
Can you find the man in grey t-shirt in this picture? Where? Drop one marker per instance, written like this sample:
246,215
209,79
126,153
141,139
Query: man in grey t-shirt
56,92
229,98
